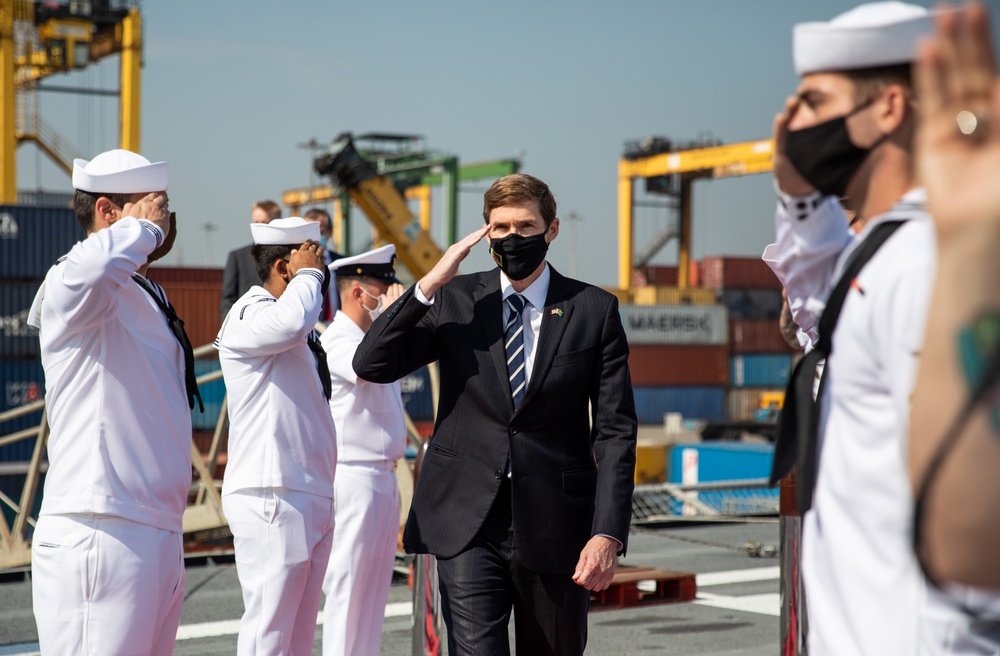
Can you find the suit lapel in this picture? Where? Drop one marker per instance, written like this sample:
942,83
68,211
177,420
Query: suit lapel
489,314
555,317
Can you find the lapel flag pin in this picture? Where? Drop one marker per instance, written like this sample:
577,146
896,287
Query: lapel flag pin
557,311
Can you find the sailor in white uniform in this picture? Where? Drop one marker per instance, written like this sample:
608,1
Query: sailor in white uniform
847,137
371,438
107,554
278,488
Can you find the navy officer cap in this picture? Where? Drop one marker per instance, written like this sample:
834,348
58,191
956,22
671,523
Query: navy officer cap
378,263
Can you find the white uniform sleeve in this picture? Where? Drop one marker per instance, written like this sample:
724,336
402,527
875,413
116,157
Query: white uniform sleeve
88,282
812,231
271,328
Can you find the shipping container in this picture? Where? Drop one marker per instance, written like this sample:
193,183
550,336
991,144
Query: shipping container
417,400
755,304
212,394
674,296
737,273
705,403
665,276
678,365
757,336
675,324
33,238
209,277
744,404
23,382
17,338
760,370
720,461
198,306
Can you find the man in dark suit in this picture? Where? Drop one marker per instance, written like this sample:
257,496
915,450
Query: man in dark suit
525,493
331,302
240,273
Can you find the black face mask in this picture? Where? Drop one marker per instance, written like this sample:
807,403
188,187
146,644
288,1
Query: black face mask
825,155
519,256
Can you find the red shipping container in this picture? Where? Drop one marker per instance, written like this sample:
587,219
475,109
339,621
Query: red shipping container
665,276
756,336
737,273
198,306
186,276
678,365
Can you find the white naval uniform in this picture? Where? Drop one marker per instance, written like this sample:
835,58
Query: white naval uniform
107,554
278,489
865,592
371,437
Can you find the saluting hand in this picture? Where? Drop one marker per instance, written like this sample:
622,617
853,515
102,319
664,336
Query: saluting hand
958,134
789,180
394,291
447,266
307,256
154,207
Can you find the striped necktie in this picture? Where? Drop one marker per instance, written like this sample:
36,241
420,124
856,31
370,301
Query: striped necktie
513,334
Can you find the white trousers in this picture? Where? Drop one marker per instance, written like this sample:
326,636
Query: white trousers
105,586
282,540
360,571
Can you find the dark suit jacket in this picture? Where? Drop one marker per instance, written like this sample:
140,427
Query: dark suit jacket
571,480
240,275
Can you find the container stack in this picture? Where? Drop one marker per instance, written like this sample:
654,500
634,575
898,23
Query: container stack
31,240
195,294
760,360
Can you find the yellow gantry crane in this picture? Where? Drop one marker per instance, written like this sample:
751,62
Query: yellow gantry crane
41,39
688,165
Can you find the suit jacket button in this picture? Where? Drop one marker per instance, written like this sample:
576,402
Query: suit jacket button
498,475
513,431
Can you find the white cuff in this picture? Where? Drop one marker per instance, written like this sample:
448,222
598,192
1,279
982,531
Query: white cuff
154,230
420,295
605,535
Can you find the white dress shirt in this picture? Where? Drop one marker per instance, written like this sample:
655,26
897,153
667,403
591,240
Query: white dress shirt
114,376
281,433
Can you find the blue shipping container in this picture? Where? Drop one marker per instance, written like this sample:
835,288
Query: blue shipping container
417,400
17,338
759,370
726,461
723,461
754,304
211,394
652,403
33,238
23,382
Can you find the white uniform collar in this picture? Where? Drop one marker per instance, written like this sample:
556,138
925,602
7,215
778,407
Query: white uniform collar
536,293
347,325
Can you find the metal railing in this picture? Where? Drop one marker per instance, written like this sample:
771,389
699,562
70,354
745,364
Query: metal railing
660,502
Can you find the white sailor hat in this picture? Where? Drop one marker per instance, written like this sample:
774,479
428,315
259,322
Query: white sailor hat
378,263
285,232
119,172
868,36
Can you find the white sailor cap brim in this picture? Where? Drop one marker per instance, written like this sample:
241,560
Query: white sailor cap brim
293,230
378,263
868,36
120,172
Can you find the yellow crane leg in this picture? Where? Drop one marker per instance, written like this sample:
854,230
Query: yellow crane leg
625,232
8,142
131,82
684,247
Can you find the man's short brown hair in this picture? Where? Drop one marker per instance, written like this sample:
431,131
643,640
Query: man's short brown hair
518,189
869,82
273,209
84,202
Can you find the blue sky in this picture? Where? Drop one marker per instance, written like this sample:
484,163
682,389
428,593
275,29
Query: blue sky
231,88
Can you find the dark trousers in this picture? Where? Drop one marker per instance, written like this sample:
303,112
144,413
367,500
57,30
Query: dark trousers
480,585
